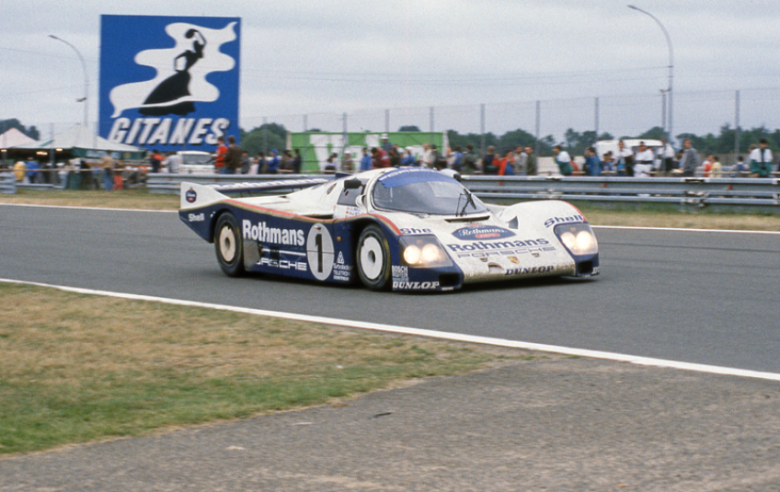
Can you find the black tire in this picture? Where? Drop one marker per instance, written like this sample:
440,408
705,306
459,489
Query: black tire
228,245
373,258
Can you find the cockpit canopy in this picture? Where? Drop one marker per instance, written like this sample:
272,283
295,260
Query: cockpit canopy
424,191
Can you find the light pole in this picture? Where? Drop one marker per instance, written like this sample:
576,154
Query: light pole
671,65
86,79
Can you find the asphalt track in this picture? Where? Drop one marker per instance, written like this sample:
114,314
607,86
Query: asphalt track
691,296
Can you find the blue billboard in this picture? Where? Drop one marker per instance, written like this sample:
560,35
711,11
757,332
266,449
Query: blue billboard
169,83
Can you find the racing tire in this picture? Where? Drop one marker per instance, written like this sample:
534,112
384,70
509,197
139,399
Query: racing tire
373,258
228,245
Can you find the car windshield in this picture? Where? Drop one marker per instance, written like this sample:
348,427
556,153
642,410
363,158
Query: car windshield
425,192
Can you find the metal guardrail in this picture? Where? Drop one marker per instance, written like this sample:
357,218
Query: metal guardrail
7,183
696,192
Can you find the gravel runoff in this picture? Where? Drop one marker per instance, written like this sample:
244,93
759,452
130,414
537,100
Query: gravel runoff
557,424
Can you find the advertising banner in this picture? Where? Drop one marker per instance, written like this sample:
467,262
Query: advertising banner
169,83
315,147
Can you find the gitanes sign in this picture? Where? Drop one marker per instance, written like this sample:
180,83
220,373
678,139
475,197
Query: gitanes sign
169,83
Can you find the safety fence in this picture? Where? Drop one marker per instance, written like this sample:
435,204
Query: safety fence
752,193
7,183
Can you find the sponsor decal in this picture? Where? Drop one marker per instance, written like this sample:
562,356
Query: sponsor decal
415,285
340,270
283,264
272,235
475,232
400,273
483,246
197,217
169,82
563,220
415,231
514,259
191,196
529,270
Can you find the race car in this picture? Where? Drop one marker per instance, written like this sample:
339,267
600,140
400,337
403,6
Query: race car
405,229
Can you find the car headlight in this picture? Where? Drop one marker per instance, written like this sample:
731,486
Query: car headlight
578,238
423,251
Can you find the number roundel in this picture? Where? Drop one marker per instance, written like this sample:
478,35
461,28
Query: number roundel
319,251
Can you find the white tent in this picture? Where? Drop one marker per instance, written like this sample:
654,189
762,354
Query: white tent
84,143
14,137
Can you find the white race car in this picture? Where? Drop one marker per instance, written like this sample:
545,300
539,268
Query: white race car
407,229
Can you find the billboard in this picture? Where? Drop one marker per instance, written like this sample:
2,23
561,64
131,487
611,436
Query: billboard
169,83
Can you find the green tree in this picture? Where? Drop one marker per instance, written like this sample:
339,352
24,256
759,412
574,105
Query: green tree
275,138
31,132
409,128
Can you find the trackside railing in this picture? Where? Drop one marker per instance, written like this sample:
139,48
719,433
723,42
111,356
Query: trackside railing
697,192
7,183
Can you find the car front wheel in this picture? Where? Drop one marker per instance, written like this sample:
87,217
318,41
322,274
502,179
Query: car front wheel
373,258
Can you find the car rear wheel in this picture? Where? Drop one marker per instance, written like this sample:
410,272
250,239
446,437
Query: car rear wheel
227,243
373,258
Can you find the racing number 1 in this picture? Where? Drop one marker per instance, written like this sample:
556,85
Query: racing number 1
319,252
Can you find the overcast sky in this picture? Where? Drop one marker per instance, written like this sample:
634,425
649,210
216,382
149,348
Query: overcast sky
323,58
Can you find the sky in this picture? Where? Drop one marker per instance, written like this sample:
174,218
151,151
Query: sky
389,62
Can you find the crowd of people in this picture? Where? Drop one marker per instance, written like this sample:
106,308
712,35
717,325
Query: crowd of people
642,161
664,161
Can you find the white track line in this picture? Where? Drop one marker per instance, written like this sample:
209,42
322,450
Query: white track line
681,229
71,207
593,354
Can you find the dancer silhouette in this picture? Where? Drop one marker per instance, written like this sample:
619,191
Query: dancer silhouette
177,86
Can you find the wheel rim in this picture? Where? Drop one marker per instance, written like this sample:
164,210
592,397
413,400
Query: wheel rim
227,244
372,258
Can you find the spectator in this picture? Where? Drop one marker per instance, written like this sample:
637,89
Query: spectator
348,164
690,159
297,161
740,167
108,164
428,156
273,161
563,159
531,169
19,171
643,162
286,162
521,161
469,162
408,158
592,166
625,160
262,165
488,162
717,168
761,160
607,165
330,165
33,168
395,157
171,162
379,158
438,160
505,164
365,161
233,156
666,154
456,159
155,161
706,166
386,145
219,157
246,163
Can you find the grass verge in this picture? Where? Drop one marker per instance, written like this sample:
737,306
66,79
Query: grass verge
75,368
135,198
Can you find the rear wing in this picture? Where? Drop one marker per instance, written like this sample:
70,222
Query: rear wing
197,195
